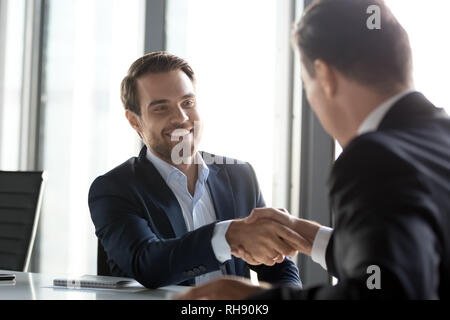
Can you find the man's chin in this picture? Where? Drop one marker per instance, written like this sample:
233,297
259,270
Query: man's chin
172,154
187,158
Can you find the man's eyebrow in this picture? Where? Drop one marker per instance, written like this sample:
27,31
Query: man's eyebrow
162,101
187,96
153,103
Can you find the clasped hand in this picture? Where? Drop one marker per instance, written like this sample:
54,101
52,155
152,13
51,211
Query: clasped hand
267,235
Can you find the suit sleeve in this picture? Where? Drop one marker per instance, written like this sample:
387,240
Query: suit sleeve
385,219
285,272
140,253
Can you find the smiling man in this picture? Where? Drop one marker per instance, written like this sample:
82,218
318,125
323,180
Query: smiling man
163,221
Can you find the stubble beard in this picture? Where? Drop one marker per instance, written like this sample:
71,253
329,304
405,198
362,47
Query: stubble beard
163,149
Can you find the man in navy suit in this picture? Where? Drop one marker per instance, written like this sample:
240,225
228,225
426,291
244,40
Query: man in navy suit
390,188
173,214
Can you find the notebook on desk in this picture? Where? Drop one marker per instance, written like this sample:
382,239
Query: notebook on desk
89,281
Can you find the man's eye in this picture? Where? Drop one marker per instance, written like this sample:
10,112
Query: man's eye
159,108
188,103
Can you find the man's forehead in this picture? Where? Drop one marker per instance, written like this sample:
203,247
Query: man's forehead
173,84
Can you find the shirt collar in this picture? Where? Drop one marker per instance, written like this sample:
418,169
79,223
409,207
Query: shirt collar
203,170
373,120
166,170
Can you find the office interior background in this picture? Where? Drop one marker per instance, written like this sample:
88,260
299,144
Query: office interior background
61,63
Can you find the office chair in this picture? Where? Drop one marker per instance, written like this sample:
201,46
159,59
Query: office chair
20,203
102,261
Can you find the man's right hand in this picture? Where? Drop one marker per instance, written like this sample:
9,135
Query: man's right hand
305,228
268,241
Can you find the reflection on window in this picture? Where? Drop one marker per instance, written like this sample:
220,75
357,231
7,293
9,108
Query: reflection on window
89,46
12,21
232,47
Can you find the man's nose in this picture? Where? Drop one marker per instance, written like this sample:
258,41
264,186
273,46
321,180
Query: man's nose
179,115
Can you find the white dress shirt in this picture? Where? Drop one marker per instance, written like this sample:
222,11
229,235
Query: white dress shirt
198,210
370,123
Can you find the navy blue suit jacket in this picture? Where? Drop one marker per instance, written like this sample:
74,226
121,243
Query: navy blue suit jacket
141,226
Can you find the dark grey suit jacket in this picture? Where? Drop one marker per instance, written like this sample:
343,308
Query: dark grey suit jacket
390,193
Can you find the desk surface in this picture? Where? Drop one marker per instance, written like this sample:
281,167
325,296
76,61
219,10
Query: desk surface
36,286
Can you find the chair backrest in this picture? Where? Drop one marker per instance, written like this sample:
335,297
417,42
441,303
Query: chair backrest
20,202
102,261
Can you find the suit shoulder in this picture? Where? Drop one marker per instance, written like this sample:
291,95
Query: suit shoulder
118,175
220,162
234,167
372,154
374,140
217,159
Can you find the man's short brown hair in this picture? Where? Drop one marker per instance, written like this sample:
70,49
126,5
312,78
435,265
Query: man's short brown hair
154,62
336,32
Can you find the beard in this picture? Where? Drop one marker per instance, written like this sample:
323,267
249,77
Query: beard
163,147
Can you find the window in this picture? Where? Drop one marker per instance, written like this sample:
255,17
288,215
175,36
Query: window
240,53
88,47
12,23
429,31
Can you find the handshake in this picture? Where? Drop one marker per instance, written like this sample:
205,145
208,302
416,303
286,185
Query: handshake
268,235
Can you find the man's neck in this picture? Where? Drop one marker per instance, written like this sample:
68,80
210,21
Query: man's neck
188,167
191,173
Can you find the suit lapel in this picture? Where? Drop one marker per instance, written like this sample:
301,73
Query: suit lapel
162,195
223,199
221,193
219,186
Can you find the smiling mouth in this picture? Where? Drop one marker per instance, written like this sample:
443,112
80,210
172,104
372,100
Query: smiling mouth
179,133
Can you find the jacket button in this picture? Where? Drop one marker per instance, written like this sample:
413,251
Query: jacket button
196,270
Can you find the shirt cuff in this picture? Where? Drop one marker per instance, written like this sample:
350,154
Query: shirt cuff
219,243
320,244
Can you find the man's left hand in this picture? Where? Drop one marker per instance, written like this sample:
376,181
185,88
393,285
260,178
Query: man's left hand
227,288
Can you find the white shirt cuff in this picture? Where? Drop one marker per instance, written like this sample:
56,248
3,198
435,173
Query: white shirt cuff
320,245
219,243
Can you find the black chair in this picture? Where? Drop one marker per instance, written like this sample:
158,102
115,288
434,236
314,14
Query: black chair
102,261
20,202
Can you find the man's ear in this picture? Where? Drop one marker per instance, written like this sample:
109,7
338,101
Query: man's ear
326,77
134,121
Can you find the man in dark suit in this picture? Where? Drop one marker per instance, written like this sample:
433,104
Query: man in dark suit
390,187
173,214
